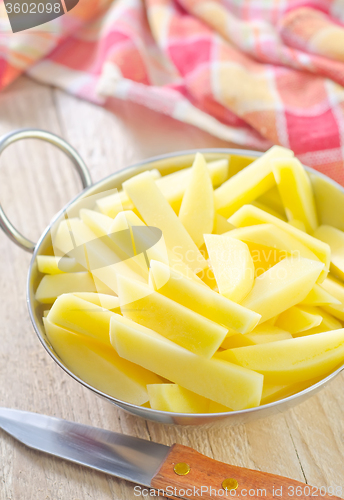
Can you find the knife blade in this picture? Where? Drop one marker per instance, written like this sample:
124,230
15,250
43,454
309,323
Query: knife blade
133,459
177,472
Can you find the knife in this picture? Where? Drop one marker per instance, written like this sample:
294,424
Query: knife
177,472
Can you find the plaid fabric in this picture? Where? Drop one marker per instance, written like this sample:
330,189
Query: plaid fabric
249,71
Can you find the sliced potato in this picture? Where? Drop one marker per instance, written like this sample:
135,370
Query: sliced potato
97,222
291,361
282,286
197,209
248,184
221,225
81,316
272,392
269,210
264,257
273,200
262,334
49,264
173,397
329,201
296,191
156,211
238,163
102,300
51,286
100,366
232,265
328,323
145,240
298,224
249,215
172,320
217,408
99,255
318,296
335,239
335,288
298,319
172,187
272,236
115,203
226,383
202,300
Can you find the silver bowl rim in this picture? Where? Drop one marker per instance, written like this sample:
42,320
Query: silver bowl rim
129,406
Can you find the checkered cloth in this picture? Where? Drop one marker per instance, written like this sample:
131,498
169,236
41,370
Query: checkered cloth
252,72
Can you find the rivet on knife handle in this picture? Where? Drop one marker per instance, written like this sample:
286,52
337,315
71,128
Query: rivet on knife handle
206,477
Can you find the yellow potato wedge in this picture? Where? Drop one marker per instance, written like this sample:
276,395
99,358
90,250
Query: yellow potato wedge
271,236
298,319
296,191
100,366
115,203
173,397
268,209
272,392
172,187
249,215
102,300
248,184
262,334
298,224
335,288
145,241
53,285
156,211
208,278
81,316
273,200
100,255
328,323
96,221
217,408
335,239
226,383
238,163
232,265
197,209
202,300
172,320
282,286
221,225
318,296
49,264
291,361
264,257
329,201
133,237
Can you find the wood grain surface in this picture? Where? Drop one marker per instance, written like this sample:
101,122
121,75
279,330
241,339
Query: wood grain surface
306,443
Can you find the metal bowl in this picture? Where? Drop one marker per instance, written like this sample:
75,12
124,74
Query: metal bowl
329,198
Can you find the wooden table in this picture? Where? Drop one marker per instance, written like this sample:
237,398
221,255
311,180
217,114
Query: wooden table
306,443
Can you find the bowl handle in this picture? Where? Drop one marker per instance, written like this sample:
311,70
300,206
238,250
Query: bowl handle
79,164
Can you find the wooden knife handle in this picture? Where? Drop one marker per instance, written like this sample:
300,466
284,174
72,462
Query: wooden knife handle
206,477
